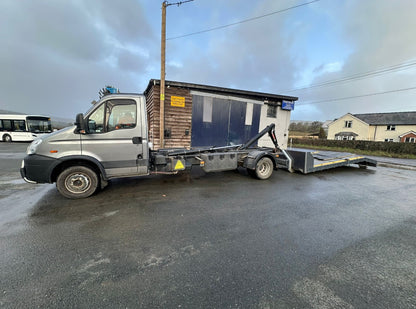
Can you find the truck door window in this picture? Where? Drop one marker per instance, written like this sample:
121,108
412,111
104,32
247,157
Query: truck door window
121,115
96,120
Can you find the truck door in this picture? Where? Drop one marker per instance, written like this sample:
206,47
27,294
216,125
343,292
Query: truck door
115,137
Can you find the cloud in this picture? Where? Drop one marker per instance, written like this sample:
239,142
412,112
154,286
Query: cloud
253,56
328,68
125,20
54,28
57,55
379,35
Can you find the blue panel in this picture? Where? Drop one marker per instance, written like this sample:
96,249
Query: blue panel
218,129
213,133
197,114
228,123
236,132
254,128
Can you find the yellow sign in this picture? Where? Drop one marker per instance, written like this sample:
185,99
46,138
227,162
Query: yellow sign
177,101
179,165
162,97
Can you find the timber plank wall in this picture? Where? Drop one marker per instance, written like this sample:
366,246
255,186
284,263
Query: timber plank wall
177,119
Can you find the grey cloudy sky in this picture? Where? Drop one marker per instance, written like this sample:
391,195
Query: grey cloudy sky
57,54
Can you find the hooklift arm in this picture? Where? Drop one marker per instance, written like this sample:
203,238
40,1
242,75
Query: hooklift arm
269,129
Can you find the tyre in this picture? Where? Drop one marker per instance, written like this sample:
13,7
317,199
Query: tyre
7,138
77,182
251,172
264,168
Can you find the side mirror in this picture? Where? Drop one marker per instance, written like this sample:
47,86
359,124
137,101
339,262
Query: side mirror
80,123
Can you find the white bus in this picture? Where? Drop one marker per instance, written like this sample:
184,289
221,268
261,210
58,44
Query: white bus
25,128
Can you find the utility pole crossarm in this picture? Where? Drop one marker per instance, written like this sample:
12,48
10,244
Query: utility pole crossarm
178,3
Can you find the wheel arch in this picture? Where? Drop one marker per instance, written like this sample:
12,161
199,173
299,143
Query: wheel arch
253,157
4,136
66,162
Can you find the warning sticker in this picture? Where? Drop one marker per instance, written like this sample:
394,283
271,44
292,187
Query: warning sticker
177,101
179,165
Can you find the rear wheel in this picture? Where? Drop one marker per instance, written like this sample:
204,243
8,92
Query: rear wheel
251,172
264,168
77,182
7,138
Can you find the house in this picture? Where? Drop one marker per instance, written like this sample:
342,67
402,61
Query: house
387,127
202,115
325,126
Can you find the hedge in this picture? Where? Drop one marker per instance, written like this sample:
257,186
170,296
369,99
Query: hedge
389,147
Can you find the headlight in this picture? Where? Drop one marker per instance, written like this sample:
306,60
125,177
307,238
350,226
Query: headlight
33,146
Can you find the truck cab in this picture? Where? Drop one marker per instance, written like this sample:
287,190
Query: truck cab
109,141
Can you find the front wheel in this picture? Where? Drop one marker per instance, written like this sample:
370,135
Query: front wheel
264,168
77,182
7,138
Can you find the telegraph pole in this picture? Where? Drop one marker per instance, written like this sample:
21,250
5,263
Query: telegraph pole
165,4
162,77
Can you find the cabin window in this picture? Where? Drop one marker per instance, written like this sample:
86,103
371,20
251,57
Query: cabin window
271,111
348,123
121,114
96,120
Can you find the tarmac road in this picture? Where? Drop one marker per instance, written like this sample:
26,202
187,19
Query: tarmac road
341,238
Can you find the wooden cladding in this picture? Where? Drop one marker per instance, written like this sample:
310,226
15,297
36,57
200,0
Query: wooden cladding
178,117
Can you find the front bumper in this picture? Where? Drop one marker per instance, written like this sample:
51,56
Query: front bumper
37,169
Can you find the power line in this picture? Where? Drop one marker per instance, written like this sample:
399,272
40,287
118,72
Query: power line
357,96
358,76
242,21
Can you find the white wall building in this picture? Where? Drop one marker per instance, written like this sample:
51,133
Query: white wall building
381,127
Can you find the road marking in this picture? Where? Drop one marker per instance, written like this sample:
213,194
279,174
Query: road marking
329,163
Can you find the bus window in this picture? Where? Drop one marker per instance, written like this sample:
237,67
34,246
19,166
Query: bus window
19,125
39,125
7,125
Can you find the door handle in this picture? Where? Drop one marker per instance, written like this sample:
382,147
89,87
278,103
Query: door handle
137,140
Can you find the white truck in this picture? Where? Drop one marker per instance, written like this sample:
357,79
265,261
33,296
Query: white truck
111,141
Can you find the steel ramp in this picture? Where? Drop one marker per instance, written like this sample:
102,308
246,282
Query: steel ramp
313,161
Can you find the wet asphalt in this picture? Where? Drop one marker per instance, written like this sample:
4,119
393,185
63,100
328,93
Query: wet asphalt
341,238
